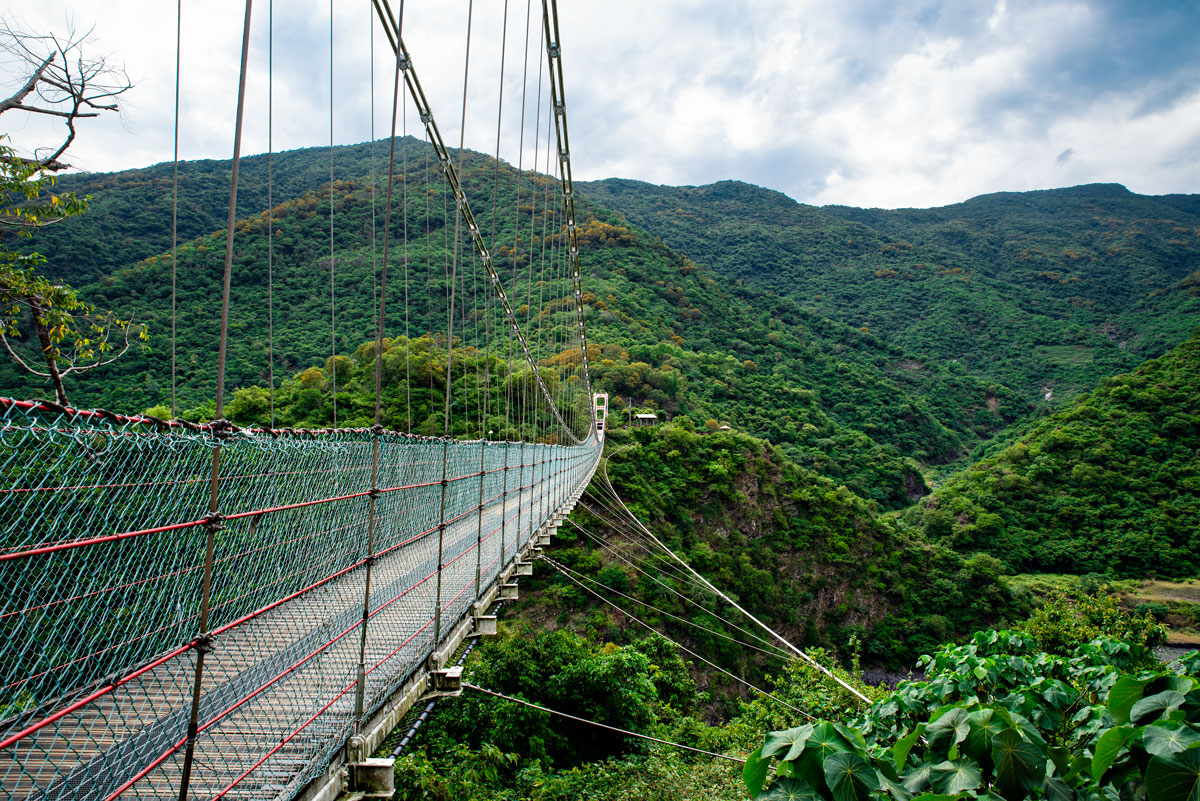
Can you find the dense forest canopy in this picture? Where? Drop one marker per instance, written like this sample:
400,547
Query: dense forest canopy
1044,292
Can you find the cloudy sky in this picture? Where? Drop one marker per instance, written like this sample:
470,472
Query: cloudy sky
863,102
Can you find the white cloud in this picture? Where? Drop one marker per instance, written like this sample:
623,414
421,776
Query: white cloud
865,103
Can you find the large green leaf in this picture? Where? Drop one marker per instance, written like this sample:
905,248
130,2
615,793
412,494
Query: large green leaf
754,772
919,778
1153,707
955,777
851,735
1162,740
948,730
850,777
1124,694
1174,777
810,768
789,789
1058,790
789,743
983,725
902,747
1019,764
826,740
1110,746
1059,694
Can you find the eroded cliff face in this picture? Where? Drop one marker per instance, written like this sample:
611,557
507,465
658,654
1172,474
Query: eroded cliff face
809,557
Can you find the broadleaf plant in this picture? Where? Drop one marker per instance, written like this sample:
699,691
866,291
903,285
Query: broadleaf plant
999,719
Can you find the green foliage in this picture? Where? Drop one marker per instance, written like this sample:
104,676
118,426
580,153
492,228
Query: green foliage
1068,620
999,718
481,747
1110,483
799,686
1034,291
1155,610
71,334
616,685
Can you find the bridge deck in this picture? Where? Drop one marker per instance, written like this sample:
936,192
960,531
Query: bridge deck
286,678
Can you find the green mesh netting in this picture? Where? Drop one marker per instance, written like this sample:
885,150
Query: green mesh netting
102,559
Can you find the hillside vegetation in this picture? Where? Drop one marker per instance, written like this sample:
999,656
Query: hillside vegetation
670,334
809,556
1044,292
1109,484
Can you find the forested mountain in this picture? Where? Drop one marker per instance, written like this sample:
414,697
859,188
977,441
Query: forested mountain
670,334
1109,484
129,216
875,348
1045,292
816,560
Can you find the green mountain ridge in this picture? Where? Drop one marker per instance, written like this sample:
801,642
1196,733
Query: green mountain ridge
671,335
1045,292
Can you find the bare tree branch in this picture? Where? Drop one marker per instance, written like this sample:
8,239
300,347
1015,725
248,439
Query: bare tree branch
28,367
30,85
63,81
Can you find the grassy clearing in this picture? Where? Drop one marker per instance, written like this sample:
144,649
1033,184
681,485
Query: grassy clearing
1067,354
1180,598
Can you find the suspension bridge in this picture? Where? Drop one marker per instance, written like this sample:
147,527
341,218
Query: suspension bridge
211,610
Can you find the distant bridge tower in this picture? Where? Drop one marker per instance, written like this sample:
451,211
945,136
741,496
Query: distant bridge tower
600,404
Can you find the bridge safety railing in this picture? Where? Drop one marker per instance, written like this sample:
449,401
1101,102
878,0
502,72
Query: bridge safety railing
103,525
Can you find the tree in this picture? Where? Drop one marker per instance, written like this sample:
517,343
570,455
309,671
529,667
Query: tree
59,79
63,81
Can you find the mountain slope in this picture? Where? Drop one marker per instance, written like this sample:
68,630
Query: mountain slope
670,334
1110,483
1039,291
811,558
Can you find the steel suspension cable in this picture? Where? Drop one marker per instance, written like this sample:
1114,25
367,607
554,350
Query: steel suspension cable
462,129
210,533
554,58
387,230
484,433
638,538
814,663
614,520
601,725
451,175
270,208
776,652
332,314
175,196
600,541
404,253
528,419
374,177
447,432
677,644
508,364
706,588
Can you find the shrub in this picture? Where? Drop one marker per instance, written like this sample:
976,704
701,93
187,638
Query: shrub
997,718
1070,619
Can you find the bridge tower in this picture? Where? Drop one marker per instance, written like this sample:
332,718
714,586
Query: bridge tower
600,406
